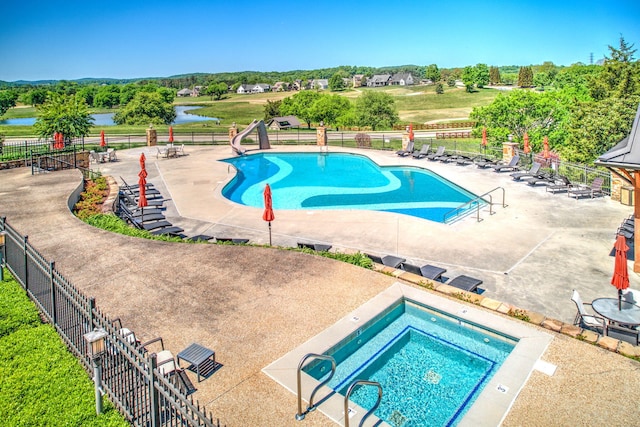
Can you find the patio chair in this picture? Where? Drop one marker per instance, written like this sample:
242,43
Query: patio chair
542,178
167,365
484,162
584,319
437,155
375,258
464,160
111,155
94,157
179,150
583,191
466,283
624,333
424,152
428,271
532,172
560,184
407,151
314,246
511,166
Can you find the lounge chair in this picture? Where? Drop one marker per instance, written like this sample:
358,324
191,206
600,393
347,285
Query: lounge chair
111,155
437,155
464,160
560,184
511,166
375,258
631,295
167,365
171,231
454,158
232,240
407,151
532,172
583,191
484,163
428,271
314,246
466,283
584,319
94,157
542,178
392,261
424,152
179,150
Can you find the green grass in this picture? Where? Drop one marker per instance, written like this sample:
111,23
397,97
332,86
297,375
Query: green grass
41,382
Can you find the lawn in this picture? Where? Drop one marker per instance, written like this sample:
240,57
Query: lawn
41,382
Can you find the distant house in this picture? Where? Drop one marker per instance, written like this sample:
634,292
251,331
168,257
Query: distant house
401,79
297,85
280,87
196,91
286,122
357,80
261,88
379,80
244,89
320,84
185,92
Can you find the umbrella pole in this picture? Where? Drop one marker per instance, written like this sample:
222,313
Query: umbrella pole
619,299
269,233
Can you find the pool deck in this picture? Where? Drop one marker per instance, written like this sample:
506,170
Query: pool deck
253,305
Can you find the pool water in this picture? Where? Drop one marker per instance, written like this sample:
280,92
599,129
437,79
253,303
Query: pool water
342,181
431,367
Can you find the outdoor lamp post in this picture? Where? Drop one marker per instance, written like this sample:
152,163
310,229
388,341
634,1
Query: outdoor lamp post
2,241
95,349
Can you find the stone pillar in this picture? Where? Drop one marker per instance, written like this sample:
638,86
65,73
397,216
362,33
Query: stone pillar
152,136
616,185
321,137
233,131
509,149
405,139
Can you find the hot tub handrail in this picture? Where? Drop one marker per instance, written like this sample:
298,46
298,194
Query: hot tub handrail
370,411
300,415
477,200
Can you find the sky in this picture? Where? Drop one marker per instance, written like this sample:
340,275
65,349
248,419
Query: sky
67,40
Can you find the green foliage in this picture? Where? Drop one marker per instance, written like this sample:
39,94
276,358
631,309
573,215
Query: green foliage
451,81
469,78
432,73
620,75
519,314
272,109
91,198
481,72
8,100
300,105
494,75
357,258
42,383
107,96
376,109
35,97
439,88
525,77
217,90
336,83
330,108
67,114
116,225
146,108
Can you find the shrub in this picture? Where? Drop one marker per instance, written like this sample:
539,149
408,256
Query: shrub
363,140
439,88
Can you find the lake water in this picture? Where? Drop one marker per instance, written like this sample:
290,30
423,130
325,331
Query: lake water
106,119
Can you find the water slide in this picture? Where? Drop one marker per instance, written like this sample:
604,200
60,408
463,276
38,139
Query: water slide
263,137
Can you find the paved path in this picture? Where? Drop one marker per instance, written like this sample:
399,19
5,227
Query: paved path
254,304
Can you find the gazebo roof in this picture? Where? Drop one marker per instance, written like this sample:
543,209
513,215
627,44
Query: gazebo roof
626,154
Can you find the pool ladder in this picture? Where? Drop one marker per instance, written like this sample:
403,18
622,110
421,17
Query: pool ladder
312,406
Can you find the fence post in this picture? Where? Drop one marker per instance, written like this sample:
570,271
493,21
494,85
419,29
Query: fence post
92,307
153,392
54,317
26,266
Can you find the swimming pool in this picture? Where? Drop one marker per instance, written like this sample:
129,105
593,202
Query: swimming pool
431,367
485,386
343,181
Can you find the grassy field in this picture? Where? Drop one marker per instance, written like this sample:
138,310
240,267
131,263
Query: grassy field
415,104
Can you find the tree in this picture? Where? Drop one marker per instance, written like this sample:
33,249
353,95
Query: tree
469,78
494,75
217,90
481,77
439,88
144,109
67,114
127,92
336,83
35,97
88,93
451,81
329,108
620,76
525,77
271,109
107,96
300,105
432,73
8,100
376,109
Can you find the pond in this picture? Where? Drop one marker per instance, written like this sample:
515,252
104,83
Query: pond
106,119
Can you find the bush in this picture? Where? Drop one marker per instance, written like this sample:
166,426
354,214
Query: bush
91,198
363,140
439,88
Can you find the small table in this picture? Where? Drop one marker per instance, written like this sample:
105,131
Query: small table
392,261
628,314
201,358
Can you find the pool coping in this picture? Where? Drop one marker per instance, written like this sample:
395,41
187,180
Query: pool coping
493,403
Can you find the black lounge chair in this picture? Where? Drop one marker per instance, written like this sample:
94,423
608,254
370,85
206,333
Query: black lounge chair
466,283
591,191
424,152
408,151
392,261
464,160
511,166
484,163
454,158
232,240
314,246
543,178
560,184
171,231
131,200
427,271
375,258
437,155
200,238
532,172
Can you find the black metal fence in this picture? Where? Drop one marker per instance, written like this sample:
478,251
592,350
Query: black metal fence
131,380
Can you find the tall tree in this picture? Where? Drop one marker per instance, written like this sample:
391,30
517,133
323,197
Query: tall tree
144,109
336,83
494,75
271,109
36,97
329,108
67,114
107,96
8,100
300,105
620,76
376,109
525,77
481,75
469,78
432,73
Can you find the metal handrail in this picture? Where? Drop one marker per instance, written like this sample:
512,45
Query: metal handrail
477,201
300,415
346,400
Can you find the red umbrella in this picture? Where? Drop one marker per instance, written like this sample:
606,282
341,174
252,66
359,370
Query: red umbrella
142,186
58,141
268,209
620,277
527,149
545,152
411,136
170,134
484,136
103,143
142,160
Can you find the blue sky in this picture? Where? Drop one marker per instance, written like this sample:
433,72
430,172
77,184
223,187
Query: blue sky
141,38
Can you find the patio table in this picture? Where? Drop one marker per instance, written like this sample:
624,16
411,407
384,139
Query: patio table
628,314
202,359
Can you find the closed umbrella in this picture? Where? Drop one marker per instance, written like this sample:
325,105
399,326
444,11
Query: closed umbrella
484,137
411,135
268,209
545,151
170,134
620,277
527,149
142,186
103,143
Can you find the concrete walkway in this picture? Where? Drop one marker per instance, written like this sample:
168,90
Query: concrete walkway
255,304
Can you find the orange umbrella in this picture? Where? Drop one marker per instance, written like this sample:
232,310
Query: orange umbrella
170,134
142,160
545,152
484,136
620,277
411,136
268,209
103,143
527,149
142,186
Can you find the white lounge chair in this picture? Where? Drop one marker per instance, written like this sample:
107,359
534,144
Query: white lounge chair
589,321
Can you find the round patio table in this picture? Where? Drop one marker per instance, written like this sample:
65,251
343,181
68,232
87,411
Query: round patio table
628,314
